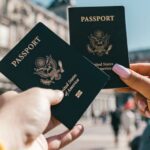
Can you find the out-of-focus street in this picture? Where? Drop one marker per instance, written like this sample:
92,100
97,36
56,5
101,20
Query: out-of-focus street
96,137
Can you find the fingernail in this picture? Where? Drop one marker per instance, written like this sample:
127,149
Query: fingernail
60,94
147,113
80,127
142,105
121,71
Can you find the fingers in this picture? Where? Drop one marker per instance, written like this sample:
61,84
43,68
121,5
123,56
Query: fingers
141,68
9,94
145,113
59,141
124,90
141,103
52,124
39,144
133,80
54,96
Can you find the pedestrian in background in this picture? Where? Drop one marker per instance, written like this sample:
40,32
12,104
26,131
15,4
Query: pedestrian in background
115,123
128,119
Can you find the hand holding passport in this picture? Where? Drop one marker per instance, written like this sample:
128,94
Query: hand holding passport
42,59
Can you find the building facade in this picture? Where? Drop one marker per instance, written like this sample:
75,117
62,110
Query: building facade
17,17
140,56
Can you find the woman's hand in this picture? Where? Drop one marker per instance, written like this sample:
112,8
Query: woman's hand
25,116
137,78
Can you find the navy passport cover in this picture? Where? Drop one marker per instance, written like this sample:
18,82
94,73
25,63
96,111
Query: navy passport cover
99,33
42,59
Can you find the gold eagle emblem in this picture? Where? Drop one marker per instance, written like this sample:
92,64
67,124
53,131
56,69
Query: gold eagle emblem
99,43
48,69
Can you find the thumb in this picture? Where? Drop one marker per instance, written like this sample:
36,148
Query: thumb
53,96
134,80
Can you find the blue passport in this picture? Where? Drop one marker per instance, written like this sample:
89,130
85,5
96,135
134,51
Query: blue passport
99,34
42,59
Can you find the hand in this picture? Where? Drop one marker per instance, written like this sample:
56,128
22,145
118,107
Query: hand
25,116
137,78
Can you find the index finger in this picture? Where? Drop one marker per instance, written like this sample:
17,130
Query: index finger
124,90
141,68
134,80
52,124
53,96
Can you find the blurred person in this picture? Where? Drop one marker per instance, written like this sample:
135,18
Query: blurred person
138,119
145,138
115,123
140,126
93,114
103,116
25,116
128,119
135,143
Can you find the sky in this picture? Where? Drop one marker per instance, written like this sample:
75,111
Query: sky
137,19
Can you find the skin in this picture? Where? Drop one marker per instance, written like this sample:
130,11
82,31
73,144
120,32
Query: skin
26,116
23,127
139,82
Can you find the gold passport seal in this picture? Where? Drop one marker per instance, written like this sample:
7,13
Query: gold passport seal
48,69
99,43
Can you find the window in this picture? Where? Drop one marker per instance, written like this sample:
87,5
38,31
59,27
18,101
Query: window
4,36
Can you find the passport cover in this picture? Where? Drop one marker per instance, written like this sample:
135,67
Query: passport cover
42,59
99,33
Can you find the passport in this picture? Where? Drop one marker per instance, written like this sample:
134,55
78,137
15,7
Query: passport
99,34
42,59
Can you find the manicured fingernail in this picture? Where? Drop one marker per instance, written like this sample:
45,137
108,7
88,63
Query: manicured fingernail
121,71
142,105
60,94
147,113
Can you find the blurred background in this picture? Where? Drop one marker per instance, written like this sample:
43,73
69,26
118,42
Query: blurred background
112,121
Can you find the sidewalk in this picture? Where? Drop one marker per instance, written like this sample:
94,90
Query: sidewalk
96,137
